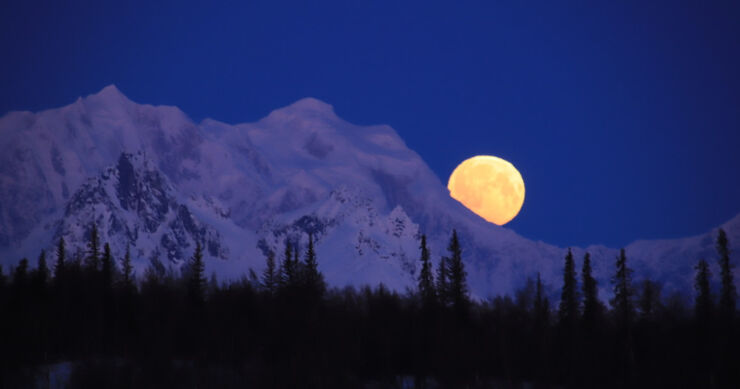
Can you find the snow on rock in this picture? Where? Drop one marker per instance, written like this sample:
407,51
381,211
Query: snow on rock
132,203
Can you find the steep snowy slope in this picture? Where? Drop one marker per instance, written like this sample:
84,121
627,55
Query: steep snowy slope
250,187
132,203
48,155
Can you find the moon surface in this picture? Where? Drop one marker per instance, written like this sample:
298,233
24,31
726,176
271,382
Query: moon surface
489,186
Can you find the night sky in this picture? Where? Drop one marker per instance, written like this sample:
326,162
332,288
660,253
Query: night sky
624,119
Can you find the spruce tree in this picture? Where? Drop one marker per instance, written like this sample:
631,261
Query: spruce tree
92,261
623,294
128,271
457,285
196,279
727,294
568,308
270,274
287,268
61,258
703,301
591,303
313,278
623,309
443,282
41,275
107,267
426,279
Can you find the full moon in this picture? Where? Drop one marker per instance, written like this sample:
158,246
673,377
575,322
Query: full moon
489,186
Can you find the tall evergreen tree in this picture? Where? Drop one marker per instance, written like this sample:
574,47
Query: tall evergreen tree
568,308
426,278
270,276
703,301
127,277
288,267
92,261
313,278
107,270
443,286
623,308
727,293
458,285
568,319
623,293
61,258
41,275
591,304
196,279
107,267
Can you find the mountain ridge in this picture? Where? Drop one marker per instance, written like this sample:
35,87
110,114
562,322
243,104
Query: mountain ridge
276,172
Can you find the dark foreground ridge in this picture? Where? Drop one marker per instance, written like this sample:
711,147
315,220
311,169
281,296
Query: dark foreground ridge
88,322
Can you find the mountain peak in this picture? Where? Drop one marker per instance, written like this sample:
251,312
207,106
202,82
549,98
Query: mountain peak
109,94
311,104
307,106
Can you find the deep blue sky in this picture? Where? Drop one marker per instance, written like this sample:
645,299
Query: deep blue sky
624,119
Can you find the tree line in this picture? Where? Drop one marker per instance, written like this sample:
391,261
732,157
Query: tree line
286,328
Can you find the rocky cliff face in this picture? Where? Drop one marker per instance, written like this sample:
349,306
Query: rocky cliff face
132,203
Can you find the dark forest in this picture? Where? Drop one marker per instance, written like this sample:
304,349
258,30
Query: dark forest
284,328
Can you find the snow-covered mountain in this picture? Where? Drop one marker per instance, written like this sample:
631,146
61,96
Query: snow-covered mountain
133,203
152,178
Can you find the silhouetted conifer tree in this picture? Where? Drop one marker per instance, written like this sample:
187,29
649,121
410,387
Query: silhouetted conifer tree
61,258
41,275
127,277
622,302
591,305
288,268
426,278
196,279
568,308
457,283
703,300
107,268
443,294
313,278
623,307
92,261
727,293
270,276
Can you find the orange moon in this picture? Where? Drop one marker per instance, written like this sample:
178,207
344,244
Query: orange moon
489,186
